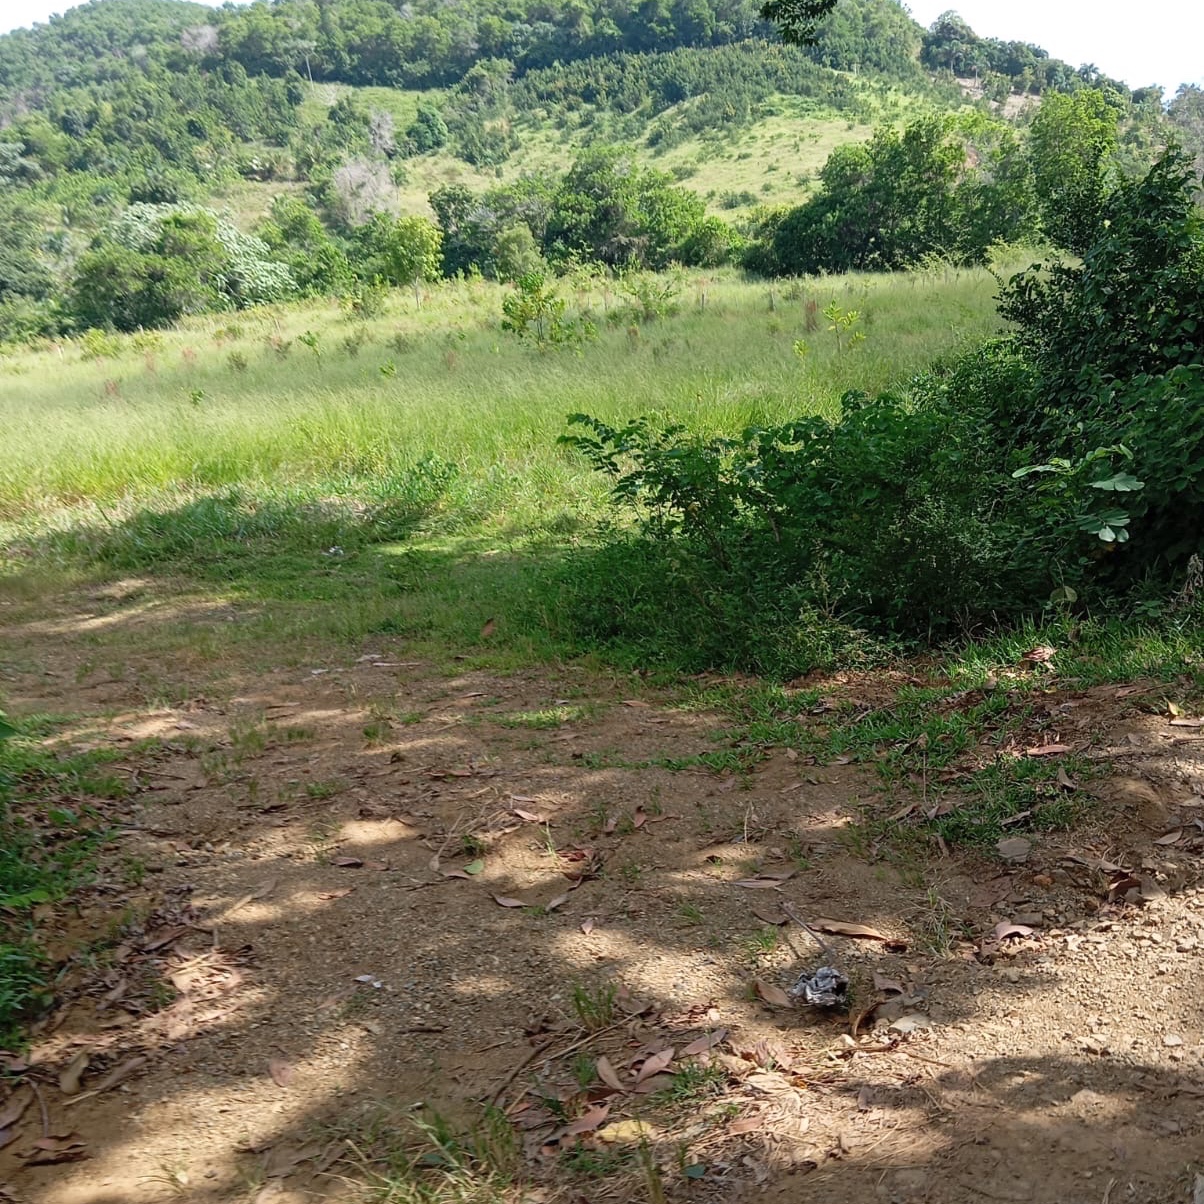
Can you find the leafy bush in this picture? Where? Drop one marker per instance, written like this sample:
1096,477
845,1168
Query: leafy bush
1063,463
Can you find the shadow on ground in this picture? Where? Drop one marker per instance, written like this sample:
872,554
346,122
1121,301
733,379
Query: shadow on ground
301,973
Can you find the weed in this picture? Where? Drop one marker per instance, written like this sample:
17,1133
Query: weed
594,1007
690,913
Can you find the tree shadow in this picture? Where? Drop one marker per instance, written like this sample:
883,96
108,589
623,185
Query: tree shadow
299,835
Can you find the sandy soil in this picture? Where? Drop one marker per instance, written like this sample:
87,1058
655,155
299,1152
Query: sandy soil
300,940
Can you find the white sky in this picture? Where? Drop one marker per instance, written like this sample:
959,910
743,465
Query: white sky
1158,41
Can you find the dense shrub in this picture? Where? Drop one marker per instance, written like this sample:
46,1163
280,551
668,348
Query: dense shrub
1063,464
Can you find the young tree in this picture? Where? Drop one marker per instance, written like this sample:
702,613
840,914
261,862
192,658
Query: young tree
407,250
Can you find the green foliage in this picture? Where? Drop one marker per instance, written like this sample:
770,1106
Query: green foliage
405,250
1070,146
942,186
533,311
156,263
796,19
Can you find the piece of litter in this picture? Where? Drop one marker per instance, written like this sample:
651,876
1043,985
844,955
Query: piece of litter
826,988
369,981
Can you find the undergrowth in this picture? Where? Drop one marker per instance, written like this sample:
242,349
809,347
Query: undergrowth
50,834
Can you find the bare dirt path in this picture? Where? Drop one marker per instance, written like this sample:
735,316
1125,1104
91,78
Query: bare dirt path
360,890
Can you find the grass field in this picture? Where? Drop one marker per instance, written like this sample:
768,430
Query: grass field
240,449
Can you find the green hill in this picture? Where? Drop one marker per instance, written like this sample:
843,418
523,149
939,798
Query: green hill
357,107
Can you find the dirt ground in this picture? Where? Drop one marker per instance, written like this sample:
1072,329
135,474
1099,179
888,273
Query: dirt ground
358,890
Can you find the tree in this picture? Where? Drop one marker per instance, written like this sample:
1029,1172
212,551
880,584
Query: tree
406,248
796,19
1070,146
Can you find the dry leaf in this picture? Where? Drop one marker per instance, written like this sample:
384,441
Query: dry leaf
704,1043
655,1064
627,1130
1187,723
587,925
71,1074
559,901
1064,779
887,984
640,818
1176,711
457,874
841,928
283,1160
489,628
56,1148
348,863
1171,837
1002,931
376,865
904,811
163,938
503,901
1041,655
635,702
329,895
746,1124
529,816
13,1113
1047,750
770,994
608,1074
589,1122
282,1074
759,884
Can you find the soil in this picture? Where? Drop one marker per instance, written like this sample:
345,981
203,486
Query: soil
305,937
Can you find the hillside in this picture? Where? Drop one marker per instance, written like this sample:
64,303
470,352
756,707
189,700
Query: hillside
358,108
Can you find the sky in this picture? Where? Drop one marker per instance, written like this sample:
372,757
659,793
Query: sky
1155,42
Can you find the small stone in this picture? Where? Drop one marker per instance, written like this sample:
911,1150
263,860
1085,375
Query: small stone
1172,1039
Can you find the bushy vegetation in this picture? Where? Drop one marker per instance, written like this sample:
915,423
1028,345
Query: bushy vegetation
1057,466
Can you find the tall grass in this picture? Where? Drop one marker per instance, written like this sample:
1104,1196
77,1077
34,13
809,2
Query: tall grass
241,400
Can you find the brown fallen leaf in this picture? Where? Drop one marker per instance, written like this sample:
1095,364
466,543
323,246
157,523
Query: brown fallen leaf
504,901
1041,655
56,1148
163,938
380,866
489,628
587,925
588,1122
281,1073
115,1077
528,817
1047,750
888,985
457,874
746,1124
640,818
655,1064
703,1044
12,1113
770,994
329,895
282,1160
1171,837
759,884
70,1075
1065,780
635,702
559,901
348,863
1004,930
608,1074
1187,723
843,928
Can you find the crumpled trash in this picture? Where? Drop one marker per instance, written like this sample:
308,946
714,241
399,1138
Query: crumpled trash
826,988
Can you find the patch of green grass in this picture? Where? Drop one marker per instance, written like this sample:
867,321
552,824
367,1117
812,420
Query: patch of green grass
48,845
541,720
692,1085
594,1007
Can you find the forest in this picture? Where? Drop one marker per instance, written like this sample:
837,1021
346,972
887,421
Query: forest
110,159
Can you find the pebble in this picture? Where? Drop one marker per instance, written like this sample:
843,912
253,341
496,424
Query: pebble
1172,1039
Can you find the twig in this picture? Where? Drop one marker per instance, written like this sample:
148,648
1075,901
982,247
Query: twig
37,1091
541,1049
1108,1190
819,940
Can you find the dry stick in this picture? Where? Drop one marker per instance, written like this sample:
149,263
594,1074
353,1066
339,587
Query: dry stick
819,940
539,1049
